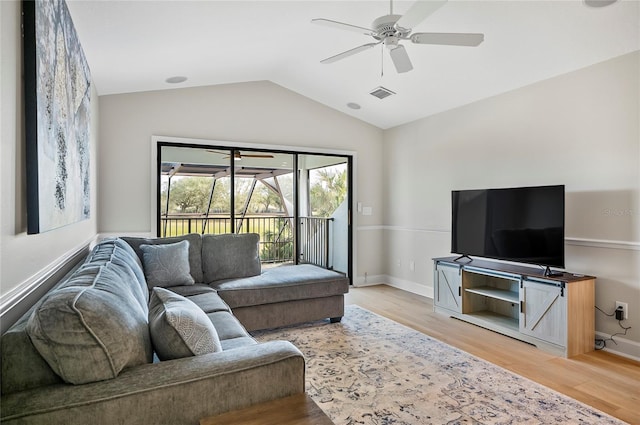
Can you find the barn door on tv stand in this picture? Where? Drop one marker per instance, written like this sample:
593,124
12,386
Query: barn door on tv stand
543,311
447,286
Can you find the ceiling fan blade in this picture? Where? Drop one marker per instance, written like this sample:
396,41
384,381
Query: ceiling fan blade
448,38
418,12
342,26
401,59
349,53
247,155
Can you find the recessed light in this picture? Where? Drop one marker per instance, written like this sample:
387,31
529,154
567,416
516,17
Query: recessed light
353,105
176,80
599,3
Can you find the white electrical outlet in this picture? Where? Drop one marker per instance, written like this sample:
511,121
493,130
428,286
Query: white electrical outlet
625,309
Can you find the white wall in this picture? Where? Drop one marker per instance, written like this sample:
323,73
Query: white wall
254,112
580,129
22,256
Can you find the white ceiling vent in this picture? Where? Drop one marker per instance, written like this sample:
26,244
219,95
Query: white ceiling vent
381,92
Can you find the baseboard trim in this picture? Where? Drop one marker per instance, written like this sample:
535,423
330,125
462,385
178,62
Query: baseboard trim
370,280
405,285
623,347
410,286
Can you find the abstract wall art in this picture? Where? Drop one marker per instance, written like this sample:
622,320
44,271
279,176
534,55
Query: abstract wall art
57,85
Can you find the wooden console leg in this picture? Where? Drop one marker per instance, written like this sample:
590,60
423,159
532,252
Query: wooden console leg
335,319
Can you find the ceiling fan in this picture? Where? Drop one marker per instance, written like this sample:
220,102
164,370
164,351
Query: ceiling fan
237,155
391,29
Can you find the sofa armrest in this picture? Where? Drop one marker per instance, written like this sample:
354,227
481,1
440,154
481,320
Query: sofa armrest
180,391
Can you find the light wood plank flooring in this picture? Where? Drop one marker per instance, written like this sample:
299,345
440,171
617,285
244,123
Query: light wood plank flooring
605,381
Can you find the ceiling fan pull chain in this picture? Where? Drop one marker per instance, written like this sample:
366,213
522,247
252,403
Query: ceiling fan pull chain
382,62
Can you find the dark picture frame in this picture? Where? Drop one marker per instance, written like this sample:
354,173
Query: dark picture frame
57,102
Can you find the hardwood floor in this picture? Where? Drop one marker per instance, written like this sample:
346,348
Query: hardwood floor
605,381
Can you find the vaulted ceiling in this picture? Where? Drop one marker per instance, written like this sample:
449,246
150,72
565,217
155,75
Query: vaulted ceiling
135,46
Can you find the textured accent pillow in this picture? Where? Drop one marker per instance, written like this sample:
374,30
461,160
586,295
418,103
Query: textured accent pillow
167,265
195,249
179,328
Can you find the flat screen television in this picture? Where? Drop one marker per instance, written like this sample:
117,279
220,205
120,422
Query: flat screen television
522,224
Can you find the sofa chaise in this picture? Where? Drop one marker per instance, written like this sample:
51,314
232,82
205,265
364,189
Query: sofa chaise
148,331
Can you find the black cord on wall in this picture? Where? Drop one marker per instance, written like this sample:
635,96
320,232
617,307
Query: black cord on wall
601,343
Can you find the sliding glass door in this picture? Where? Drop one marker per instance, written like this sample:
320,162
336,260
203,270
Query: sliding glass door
301,217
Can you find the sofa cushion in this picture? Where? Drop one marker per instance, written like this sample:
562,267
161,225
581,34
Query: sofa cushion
284,283
195,250
240,342
91,327
22,365
230,256
179,328
120,253
190,290
227,326
209,302
167,265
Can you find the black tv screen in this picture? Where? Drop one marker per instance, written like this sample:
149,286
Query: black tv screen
524,224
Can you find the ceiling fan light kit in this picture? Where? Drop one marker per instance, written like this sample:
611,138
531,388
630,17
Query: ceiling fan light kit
391,29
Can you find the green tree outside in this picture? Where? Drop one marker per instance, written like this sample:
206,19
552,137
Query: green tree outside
328,189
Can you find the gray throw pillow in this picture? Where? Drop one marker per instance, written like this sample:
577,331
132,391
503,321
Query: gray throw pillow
195,249
167,265
230,256
179,328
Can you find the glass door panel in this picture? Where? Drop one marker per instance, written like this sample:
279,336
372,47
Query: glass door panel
194,191
325,211
264,200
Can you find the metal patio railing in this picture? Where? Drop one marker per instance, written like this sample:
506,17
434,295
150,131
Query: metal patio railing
276,234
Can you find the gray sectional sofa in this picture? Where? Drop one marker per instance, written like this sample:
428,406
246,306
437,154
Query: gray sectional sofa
155,331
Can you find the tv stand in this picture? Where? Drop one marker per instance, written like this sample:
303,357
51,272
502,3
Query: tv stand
553,312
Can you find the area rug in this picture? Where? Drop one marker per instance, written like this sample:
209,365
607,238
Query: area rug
371,370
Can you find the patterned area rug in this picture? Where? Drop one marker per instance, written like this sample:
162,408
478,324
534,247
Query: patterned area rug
371,370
